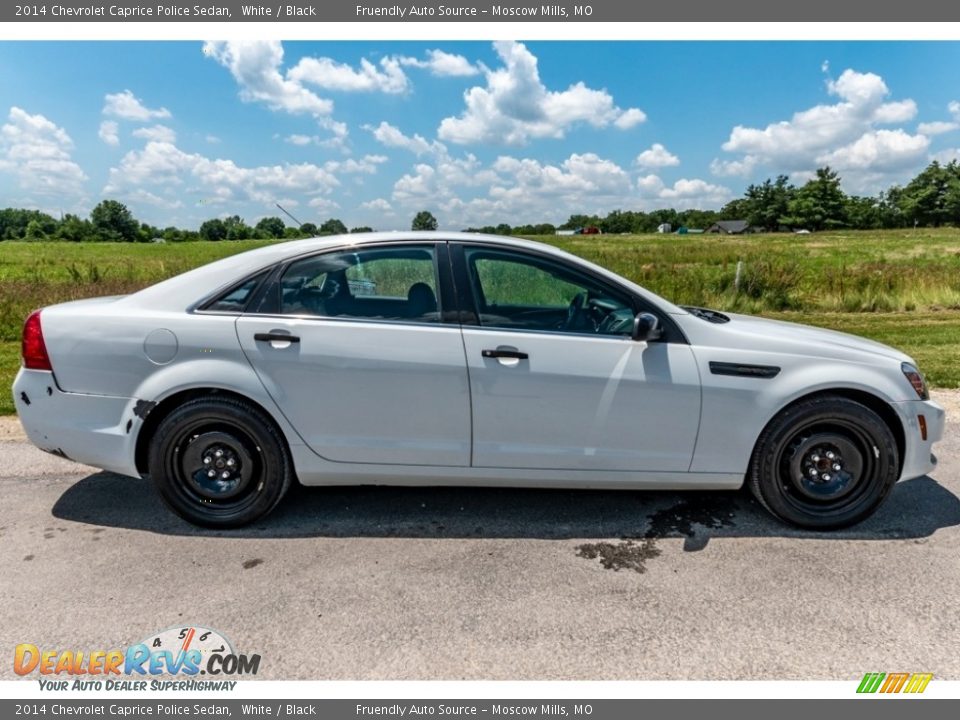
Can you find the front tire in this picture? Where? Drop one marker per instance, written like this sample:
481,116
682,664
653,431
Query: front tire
219,463
824,463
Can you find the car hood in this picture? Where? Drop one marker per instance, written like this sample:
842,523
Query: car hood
809,340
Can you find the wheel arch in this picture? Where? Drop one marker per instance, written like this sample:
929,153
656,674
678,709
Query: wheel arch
880,406
167,405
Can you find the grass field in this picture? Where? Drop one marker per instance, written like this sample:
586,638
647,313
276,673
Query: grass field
900,287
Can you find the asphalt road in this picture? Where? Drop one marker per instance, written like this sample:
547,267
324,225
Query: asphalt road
379,583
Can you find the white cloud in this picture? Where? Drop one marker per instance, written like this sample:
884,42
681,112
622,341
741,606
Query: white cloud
657,156
109,132
378,205
212,139
163,164
159,133
38,153
301,139
443,64
937,127
879,151
683,194
515,106
390,136
630,118
331,75
126,106
844,133
323,204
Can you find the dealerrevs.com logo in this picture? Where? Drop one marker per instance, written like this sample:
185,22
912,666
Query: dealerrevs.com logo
893,683
180,652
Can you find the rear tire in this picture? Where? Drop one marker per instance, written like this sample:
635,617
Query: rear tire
219,462
824,463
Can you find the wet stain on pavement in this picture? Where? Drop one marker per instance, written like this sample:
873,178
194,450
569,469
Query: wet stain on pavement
28,558
682,519
625,555
247,564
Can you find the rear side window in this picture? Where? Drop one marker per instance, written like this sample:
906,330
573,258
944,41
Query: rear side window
386,283
235,299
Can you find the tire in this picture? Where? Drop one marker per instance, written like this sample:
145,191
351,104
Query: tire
824,463
231,439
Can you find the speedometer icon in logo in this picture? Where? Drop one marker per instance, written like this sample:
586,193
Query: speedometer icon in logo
181,640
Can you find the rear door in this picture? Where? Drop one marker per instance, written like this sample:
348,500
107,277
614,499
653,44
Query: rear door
353,347
557,380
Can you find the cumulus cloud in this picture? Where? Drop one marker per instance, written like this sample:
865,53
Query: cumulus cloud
844,134
332,75
657,156
391,136
443,64
937,127
160,133
162,164
126,106
379,205
515,106
38,153
109,132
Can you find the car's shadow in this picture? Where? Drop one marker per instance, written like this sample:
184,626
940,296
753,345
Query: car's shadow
916,509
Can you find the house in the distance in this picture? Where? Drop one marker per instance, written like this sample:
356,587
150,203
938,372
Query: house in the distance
730,227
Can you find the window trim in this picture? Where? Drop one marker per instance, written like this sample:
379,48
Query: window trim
262,276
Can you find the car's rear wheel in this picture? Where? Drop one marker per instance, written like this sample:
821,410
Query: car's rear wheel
219,462
823,463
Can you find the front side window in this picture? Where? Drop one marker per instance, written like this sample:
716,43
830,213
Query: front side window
527,292
395,284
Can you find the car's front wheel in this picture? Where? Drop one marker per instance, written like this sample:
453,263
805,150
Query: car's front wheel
219,462
823,463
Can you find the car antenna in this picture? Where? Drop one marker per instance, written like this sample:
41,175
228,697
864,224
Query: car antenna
288,214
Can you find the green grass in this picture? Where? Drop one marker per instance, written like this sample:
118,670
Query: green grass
901,287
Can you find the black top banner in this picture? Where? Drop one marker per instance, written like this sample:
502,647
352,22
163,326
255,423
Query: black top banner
729,11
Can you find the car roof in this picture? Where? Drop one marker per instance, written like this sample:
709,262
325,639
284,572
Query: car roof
186,290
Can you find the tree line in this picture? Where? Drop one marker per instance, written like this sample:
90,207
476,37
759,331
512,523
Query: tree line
931,199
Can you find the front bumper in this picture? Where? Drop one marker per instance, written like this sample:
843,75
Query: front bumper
95,430
918,458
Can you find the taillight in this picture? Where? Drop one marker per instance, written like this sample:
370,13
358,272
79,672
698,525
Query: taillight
33,349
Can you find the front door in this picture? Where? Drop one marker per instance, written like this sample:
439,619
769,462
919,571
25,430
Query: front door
558,383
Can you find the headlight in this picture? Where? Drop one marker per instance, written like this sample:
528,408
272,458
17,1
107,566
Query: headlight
916,380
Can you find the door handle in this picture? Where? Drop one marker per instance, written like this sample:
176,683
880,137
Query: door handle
504,353
276,337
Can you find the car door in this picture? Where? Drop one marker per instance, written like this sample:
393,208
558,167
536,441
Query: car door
558,382
353,347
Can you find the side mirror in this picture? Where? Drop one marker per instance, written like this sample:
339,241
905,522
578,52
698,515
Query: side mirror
646,327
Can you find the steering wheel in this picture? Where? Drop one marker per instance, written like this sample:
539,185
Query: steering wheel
575,312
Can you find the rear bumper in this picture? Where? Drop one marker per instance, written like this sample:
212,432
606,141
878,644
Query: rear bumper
95,430
918,458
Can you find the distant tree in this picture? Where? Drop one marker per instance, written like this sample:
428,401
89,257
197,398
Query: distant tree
424,220
333,227
579,221
863,213
214,229
74,229
503,229
35,231
114,221
308,229
820,204
237,229
361,229
766,205
14,221
270,227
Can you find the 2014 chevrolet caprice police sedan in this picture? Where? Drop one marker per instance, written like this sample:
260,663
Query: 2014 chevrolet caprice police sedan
449,358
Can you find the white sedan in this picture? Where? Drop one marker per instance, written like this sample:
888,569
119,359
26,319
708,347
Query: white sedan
450,358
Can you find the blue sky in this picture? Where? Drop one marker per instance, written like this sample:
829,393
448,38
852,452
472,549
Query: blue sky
478,133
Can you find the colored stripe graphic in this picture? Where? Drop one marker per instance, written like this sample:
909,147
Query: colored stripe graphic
894,683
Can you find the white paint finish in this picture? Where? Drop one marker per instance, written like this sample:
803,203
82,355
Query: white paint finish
368,392
390,403
582,402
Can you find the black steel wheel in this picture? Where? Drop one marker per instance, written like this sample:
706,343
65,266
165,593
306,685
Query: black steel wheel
823,463
219,462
